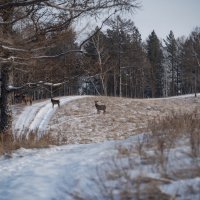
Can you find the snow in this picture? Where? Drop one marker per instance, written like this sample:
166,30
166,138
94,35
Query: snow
46,173
56,172
35,118
181,188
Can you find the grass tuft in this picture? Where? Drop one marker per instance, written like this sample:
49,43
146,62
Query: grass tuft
8,143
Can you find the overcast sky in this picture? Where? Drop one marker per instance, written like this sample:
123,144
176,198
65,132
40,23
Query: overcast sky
180,16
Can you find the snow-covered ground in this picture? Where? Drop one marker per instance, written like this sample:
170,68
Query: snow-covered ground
35,118
101,169
50,173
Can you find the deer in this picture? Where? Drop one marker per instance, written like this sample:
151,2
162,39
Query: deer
100,107
25,98
55,101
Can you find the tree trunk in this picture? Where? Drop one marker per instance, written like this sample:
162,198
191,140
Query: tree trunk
6,112
6,98
6,75
115,83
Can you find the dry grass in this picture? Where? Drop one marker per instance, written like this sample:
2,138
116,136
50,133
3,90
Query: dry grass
78,122
8,143
167,131
124,117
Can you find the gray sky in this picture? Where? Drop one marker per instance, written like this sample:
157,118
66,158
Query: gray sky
180,16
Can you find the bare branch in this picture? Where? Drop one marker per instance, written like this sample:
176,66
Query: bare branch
97,30
13,49
58,55
12,88
28,12
20,3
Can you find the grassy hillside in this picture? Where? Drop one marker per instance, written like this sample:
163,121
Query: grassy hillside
78,121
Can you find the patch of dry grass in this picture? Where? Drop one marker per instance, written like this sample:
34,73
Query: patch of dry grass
168,130
8,143
79,122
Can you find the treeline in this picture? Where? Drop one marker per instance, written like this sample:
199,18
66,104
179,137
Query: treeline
117,62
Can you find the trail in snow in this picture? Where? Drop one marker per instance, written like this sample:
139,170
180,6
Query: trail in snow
46,174
51,174
35,118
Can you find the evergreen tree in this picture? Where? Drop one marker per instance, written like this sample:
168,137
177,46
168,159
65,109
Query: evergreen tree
119,40
187,63
180,57
172,60
127,57
139,68
155,56
191,63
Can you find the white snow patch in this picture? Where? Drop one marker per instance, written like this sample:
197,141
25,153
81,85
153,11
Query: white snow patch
35,118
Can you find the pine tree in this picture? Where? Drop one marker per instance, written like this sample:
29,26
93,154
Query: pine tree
155,56
119,40
128,59
172,60
191,63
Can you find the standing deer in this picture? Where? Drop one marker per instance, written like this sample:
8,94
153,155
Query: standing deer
100,107
26,99
55,101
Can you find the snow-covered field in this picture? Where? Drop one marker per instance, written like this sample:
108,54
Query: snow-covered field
107,163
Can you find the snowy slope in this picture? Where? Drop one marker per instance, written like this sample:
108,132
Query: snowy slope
35,118
51,174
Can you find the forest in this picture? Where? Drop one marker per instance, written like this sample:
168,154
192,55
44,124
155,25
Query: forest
114,62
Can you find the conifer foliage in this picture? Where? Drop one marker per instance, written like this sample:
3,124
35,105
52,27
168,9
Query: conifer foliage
155,56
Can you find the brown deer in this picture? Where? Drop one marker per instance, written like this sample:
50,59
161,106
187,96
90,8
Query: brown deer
100,107
27,98
55,101
24,98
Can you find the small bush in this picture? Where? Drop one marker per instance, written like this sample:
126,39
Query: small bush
166,131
